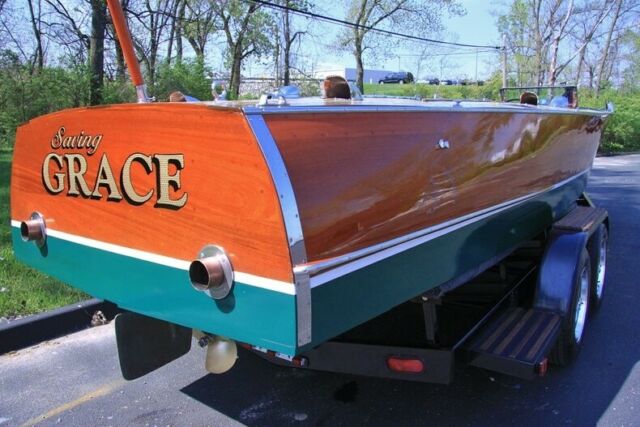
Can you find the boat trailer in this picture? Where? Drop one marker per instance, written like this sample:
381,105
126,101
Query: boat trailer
527,310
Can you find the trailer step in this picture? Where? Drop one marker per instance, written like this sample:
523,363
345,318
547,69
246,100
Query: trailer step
516,343
582,218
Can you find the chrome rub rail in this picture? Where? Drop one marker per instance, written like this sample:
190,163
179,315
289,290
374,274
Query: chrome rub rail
292,224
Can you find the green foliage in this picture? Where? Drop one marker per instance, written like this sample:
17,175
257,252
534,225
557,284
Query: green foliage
23,290
622,132
189,77
487,91
25,94
118,92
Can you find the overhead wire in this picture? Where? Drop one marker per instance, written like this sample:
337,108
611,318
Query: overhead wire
367,27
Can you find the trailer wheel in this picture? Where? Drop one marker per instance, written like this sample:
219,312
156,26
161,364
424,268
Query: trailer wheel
597,247
572,330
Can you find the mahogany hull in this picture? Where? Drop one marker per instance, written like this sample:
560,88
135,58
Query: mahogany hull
365,178
329,216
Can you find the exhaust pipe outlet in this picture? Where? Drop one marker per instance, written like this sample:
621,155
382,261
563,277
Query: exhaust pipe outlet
212,272
34,230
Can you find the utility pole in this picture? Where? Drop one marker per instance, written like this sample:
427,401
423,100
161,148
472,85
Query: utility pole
476,66
504,60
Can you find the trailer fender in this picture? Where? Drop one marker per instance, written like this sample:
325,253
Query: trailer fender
558,271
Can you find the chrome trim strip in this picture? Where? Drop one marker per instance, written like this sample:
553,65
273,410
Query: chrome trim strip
283,186
334,268
456,107
292,224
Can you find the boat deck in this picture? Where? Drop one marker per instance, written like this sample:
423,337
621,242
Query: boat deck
373,104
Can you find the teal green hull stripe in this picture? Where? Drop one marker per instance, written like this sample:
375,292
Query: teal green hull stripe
253,315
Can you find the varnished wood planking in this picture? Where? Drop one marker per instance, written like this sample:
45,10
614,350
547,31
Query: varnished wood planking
364,178
231,198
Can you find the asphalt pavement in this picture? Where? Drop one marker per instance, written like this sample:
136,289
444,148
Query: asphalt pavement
75,380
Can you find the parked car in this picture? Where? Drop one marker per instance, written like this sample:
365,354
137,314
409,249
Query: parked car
433,81
446,82
401,77
289,91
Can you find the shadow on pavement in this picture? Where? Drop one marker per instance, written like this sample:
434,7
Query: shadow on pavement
258,393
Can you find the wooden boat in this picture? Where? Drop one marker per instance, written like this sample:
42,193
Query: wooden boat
329,212
284,223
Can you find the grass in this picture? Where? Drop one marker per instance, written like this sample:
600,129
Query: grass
423,90
24,291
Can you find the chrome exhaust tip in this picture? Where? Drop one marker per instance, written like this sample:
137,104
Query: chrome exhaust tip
212,272
34,230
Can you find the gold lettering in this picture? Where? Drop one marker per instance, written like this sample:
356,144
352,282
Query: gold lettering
166,181
93,145
81,140
57,138
76,177
59,176
127,187
105,177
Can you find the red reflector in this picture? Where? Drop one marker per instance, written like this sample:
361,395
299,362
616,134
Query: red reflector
405,365
542,367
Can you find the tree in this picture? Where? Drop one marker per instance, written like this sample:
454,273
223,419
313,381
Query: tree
537,29
243,25
607,45
290,35
152,20
198,24
35,13
67,27
96,50
559,32
589,20
418,17
632,73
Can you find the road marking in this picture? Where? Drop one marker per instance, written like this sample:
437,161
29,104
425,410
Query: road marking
102,391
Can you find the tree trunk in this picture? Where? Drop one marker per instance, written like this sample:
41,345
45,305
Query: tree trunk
96,51
359,64
197,49
35,25
553,65
605,51
278,68
236,67
120,65
287,47
179,50
538,42
580,64
172,32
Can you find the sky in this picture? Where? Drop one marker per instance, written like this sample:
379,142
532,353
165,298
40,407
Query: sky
319,51
476,27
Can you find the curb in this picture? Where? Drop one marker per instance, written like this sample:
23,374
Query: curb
31,330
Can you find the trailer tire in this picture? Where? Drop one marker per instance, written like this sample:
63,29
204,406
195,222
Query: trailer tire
597,248
573,324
